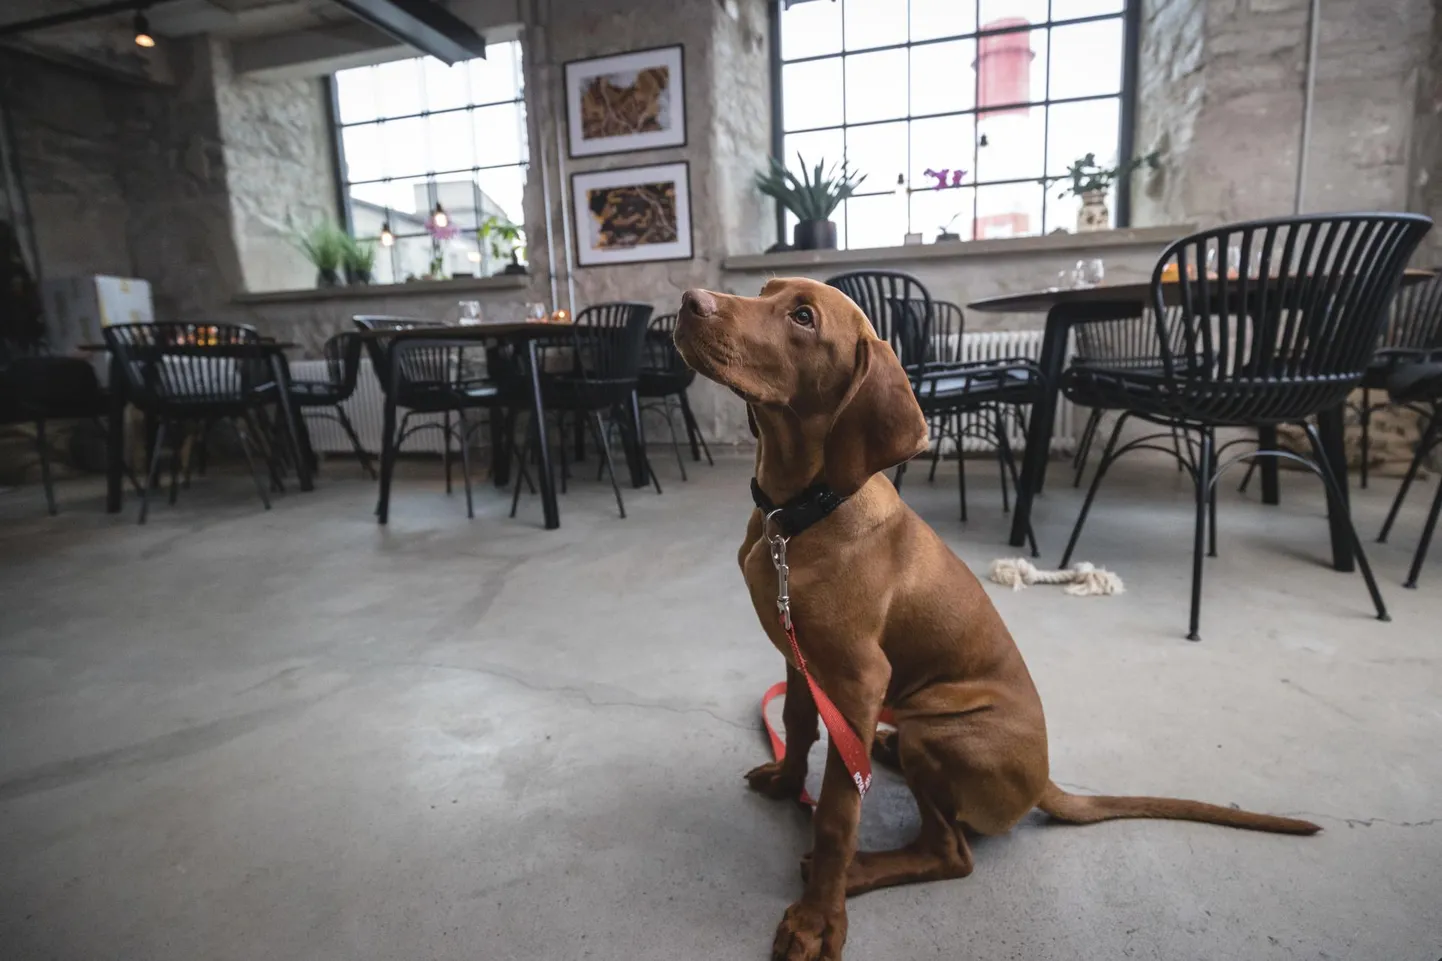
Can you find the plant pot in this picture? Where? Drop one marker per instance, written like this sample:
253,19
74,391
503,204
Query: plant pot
1093,214
947,236
515,270
327,277
814,235
357,276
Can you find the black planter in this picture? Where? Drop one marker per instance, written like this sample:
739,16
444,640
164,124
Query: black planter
814,235
357,276
327,278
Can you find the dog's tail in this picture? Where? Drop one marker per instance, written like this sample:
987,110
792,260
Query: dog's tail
1089,809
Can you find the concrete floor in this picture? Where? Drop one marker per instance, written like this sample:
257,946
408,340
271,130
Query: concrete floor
292,735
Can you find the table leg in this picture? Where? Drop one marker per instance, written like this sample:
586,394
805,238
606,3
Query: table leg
1330,428
115,437
549,507
295,430
1267,440
636,452
388,445
1042,421
500,419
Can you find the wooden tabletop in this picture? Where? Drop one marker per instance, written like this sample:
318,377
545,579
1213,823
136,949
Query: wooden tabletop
518,330
1041,301
274,344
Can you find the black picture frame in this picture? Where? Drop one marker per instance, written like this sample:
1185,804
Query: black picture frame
571,75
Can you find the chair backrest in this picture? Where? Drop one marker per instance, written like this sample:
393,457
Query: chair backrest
1302,300
342,360
660,355
944,332
1127,342
889,300
609,340
420,366
1415,322
192,363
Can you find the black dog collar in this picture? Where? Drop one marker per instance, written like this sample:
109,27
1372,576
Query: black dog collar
801,511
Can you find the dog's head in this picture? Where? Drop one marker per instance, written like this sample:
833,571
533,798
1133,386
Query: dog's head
807,349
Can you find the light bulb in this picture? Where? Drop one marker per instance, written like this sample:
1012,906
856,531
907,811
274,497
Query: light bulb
439,218
142,31
388,239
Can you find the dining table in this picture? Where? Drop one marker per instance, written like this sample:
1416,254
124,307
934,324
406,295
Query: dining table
296,435
1065,307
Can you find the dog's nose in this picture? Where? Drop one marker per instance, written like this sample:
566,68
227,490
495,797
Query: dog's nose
698,302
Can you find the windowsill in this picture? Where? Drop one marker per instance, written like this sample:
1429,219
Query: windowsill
960,249
418,288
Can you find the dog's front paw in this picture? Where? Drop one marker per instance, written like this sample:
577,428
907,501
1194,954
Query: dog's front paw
808,933
776,781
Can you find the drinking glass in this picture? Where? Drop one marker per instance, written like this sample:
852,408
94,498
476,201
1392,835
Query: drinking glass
536,311
470,313
1090,273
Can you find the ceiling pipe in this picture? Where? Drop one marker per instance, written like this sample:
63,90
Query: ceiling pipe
1308,89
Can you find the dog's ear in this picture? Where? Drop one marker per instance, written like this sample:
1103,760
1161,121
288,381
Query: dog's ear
879,423
751,422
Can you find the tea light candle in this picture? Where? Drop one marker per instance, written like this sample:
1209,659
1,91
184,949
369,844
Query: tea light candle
560,316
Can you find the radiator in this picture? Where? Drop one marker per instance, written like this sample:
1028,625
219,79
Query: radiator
1000,345
366,410
366,406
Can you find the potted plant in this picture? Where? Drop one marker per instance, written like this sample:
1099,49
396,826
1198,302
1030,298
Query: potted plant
324,245
1091,182
812,197
504,239
944,234
359,260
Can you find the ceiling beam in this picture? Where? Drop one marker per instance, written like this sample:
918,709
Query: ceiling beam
424,25
77,16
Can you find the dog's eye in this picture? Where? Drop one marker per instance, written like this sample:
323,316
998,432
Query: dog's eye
803,316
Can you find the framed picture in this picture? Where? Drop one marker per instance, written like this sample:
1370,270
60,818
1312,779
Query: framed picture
632,215
629,101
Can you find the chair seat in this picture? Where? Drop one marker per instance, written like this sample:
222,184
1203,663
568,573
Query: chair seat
1410,383
315,393
951,386
566,392
663,383
431,398
1234,402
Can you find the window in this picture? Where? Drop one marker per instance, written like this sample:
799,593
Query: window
1008,92
415,133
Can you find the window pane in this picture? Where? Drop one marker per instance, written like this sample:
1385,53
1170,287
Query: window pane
879,151
1008,210
446,87
406,146
364,159
999,13
827,145
498,77
942,18
1086,59
500,134
942,143
811,94
1073,9
935,210
502,191
874,23
399,85
407,199
1012,68
878,221
942,78
452,140
875,86
355,91
412,257
1010,143
811,29
1077,129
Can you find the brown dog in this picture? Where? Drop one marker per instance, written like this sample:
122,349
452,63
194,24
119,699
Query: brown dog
885,612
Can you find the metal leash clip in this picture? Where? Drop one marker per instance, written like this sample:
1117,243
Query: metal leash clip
777,543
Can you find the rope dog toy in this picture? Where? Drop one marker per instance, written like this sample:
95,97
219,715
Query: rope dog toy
1082,580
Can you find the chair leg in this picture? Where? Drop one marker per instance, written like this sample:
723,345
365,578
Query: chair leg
693,431
522,453
562,443
1106,462
1010,462
1365,415
355,444
446,447
604,445
900,473
1177,447
961,475
1211,500
240,432
1003,455
1426,542
1203,479
1084,449
154,469
675,443
940,429
1424,444
177,453
1336,502
43,448
465,439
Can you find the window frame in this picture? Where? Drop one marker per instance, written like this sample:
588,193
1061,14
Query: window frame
1129,17
343,184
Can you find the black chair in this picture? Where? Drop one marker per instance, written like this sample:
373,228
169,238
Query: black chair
1418,386
38,389
187,376
975,394
1127,343
662,383
325,397
1413,334
431,377
1283,342
600,360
